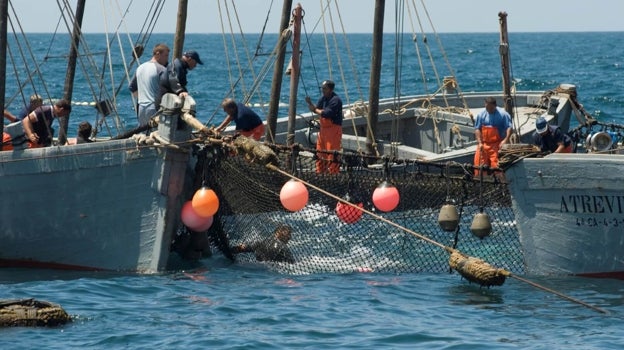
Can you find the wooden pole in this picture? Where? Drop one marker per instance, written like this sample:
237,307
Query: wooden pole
278,73
4,6
178,40
505,63
70,74
294,76
373,95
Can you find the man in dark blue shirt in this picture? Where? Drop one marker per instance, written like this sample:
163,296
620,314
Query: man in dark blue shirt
329,139
550,138
248,123
173,79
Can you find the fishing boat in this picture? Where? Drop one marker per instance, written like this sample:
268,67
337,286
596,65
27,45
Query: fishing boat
436,125
113,204
569,206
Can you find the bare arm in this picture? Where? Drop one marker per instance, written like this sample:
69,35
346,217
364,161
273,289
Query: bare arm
311,106
507,136
225,123
10,117
28,128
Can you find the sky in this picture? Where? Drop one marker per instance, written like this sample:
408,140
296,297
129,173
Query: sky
448,16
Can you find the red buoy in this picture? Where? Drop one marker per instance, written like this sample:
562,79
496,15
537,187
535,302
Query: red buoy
386,197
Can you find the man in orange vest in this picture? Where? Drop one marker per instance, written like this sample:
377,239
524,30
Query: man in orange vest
492,130
329,107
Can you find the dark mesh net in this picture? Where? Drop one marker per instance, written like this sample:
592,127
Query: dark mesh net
250,211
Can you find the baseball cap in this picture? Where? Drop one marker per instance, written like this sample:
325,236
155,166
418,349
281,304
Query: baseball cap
194,55
541,125
329,83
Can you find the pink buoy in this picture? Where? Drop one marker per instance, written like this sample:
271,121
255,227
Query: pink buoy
205,202
204,226
347,213
386,197
294,195
192,220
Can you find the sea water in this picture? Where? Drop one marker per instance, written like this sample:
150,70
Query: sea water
220,304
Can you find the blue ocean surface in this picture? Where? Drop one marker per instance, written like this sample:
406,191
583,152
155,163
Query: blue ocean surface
225,305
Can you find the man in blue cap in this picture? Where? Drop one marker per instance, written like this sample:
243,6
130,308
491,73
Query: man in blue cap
174,81
550,138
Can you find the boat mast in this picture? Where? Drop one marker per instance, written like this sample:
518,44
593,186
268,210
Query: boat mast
373,94
278,69
178,40
68,88
4,7
505,63
294,75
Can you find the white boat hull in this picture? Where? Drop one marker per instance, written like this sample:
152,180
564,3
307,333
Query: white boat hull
570,213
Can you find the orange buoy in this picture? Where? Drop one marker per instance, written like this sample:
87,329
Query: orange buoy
347,213
205,202
294,195
386,197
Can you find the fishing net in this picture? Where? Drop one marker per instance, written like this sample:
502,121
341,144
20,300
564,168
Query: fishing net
329,236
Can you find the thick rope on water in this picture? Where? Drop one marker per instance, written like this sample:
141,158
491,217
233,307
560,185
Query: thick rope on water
476,270
31,313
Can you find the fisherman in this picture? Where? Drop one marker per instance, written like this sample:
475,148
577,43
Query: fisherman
550,138
492,130
146,83
174,79
35,102
248,123
38,124
84,132
273,248
329,108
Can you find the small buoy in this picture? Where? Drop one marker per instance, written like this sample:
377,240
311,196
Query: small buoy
207,222
481,226
347,213
448,219
193,220
386,197
205,202
294,195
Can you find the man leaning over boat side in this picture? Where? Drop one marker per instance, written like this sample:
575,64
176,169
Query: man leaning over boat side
248,123
492,130
329,108
173,80
38,124
146,83
550,138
